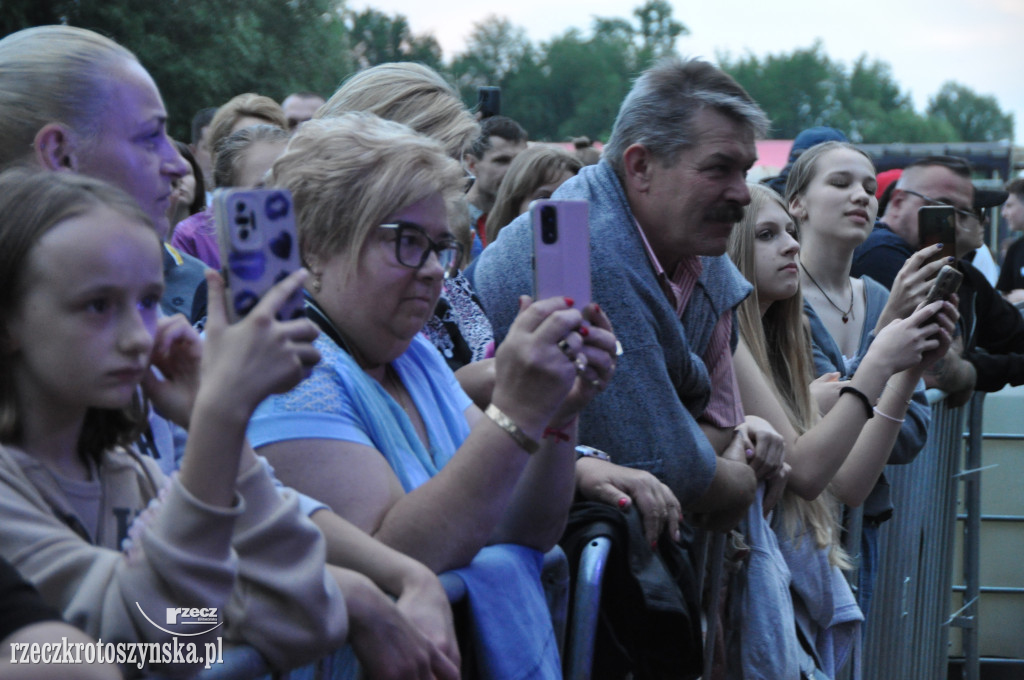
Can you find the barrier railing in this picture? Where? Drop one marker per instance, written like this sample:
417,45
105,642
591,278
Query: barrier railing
907,632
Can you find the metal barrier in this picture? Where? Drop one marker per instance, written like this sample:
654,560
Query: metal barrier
907,631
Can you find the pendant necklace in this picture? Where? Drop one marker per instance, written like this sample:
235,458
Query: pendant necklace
849,311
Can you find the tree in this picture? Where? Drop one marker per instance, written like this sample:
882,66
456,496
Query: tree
806,88
377,38
203,52
658,30
974,117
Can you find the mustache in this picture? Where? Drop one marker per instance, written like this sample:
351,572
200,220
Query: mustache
729,211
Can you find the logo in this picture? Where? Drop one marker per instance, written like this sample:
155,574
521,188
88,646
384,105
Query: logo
187,616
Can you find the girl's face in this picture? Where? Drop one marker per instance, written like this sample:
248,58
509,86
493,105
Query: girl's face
775,249
82,332
183,191
840,198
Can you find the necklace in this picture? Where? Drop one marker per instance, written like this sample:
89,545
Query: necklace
849,311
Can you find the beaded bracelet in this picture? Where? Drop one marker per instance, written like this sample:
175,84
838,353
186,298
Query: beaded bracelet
504,422
868,408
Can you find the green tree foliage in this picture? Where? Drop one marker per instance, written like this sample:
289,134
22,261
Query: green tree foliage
974,117
377,38
573,84
806,88
203,52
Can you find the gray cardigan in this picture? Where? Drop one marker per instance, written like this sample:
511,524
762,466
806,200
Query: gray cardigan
646,418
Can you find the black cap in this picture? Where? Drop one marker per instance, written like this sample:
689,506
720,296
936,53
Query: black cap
988,198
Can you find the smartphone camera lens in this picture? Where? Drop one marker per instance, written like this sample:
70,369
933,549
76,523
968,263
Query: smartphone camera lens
548,224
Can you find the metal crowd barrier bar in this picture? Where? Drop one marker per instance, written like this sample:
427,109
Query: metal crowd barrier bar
907,635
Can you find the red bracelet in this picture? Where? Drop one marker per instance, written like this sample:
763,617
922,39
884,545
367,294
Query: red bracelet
560,433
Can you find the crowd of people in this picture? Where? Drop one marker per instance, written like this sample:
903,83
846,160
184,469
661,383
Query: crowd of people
752,358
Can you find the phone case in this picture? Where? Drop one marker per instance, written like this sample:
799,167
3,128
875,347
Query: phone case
937,224
561,250
946,283
258,245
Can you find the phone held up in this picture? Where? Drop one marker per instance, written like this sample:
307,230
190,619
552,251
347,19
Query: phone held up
561,250
937,224
488,100
259,247
945,284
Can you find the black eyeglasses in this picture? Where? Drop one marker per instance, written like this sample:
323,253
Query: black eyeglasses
961,214
413,247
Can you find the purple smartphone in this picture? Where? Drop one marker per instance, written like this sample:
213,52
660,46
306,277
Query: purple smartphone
561,250
258,247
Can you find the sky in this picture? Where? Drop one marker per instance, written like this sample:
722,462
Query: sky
978,43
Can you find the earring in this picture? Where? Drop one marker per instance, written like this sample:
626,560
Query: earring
316,283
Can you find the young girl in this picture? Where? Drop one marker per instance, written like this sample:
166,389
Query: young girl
97,529
841,453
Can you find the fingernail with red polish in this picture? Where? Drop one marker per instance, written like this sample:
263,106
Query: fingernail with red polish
584,331
569,301
623,502
597,307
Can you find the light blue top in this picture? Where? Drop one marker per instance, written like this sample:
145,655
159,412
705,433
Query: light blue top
511,625
340,401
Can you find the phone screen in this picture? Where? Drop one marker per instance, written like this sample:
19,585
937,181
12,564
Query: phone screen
937,224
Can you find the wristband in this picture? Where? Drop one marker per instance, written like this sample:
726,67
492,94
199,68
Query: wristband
889,417
869,410
559,433
504,422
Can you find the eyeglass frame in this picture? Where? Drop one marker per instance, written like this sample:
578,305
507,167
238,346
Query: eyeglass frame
962,214
434,247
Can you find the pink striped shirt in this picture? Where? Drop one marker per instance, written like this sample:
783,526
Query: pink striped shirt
724,409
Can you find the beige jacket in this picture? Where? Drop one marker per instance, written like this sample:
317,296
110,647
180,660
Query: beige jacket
260,563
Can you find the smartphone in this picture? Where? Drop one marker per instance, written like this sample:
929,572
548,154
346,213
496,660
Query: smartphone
937,224
488,100
258,247
945,284
561,250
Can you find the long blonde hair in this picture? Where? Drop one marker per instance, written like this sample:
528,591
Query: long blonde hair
780,342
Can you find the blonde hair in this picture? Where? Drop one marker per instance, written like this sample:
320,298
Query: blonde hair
248,105
780,342
53,74
32,202
412,94
538,165
348,174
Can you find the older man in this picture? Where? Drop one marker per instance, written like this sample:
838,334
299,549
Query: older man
663,202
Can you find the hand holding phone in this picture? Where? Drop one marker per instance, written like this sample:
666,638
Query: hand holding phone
561,250
488,101
259,247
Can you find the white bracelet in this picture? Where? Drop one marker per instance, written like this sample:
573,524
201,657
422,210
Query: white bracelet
888,417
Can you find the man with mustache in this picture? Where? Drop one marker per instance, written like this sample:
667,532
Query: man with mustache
663,202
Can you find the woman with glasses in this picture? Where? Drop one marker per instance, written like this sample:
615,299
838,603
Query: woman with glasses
382,432
831,195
